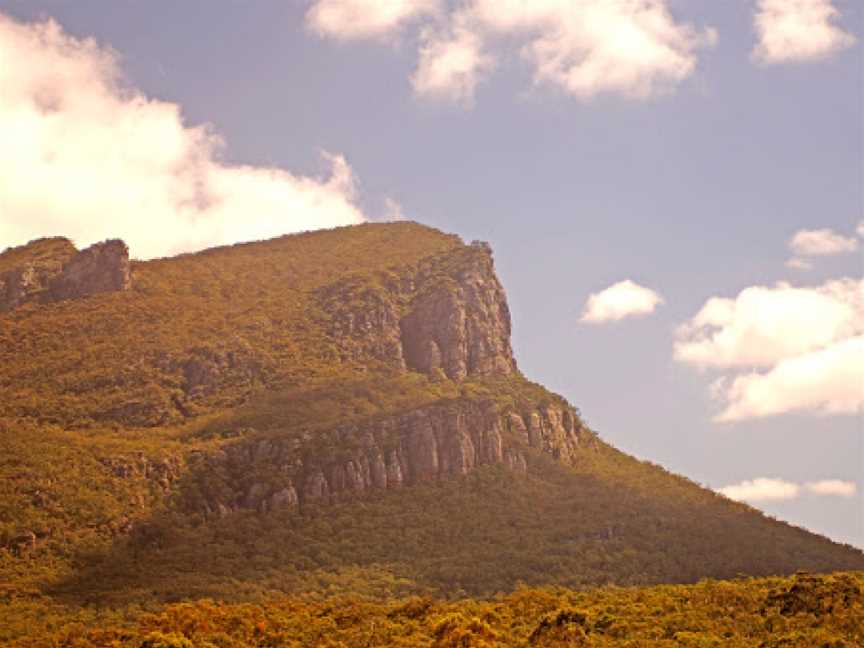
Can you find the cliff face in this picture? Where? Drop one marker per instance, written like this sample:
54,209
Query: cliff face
460,325
101,268
426,444
51,270
449,316
446,317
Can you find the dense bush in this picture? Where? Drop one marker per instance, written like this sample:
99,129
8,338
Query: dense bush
730,614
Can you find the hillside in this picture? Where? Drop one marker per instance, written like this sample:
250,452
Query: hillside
337,411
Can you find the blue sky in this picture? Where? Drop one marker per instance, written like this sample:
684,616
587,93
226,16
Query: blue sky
687,170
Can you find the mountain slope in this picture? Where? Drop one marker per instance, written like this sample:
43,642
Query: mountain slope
337,409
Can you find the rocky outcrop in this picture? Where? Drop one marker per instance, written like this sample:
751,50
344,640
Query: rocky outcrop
427,444
51,270
205,371
449,315
461,326
160,474
101,268
364,319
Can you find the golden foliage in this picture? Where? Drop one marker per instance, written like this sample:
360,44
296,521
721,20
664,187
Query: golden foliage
742,613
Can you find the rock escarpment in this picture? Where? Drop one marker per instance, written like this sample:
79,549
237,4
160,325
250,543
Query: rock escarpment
103,267
448,316
49,270
460,325
426,444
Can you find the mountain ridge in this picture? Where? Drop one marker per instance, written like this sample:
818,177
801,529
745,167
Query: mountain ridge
336,407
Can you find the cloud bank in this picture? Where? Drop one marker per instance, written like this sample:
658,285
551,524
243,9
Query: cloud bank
632,48
619,301
768,489
85,156
797,31
800,349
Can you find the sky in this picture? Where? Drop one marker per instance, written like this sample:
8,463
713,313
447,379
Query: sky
672,189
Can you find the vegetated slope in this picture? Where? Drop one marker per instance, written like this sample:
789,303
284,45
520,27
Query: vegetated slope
252,311
335,411
804,611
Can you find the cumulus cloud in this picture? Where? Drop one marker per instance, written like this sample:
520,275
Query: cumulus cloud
451,65
763,325
634,48
821,242
86,156
826,381
768,489
618,301
860,229
801,349
763,489
834,487
358,19
806,244
794,31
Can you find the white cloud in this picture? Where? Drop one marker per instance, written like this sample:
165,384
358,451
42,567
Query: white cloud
834,487
826,381
765,324
450,65
87,157
821,242
792,31
860,229
797,263
618,301
633,48
359,19
804,348
768,489
762,489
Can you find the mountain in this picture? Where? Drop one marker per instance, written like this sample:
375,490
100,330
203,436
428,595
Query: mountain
333,412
